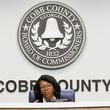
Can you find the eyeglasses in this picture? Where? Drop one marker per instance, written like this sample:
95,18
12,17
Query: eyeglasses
46,86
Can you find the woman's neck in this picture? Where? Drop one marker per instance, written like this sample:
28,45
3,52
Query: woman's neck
49,99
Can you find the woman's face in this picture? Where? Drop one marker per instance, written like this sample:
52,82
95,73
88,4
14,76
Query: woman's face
47,90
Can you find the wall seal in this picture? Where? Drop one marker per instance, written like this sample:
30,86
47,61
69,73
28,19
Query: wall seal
51,35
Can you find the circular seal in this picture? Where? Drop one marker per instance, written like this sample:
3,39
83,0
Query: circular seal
51,35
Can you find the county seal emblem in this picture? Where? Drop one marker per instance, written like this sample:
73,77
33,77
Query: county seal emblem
51,35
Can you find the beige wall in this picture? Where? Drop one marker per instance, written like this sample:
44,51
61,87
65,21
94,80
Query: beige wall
64,109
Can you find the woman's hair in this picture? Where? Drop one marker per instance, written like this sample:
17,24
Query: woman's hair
49,79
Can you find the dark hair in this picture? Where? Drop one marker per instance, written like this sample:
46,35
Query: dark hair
51,80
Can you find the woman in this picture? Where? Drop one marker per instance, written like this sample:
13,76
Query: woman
47,89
